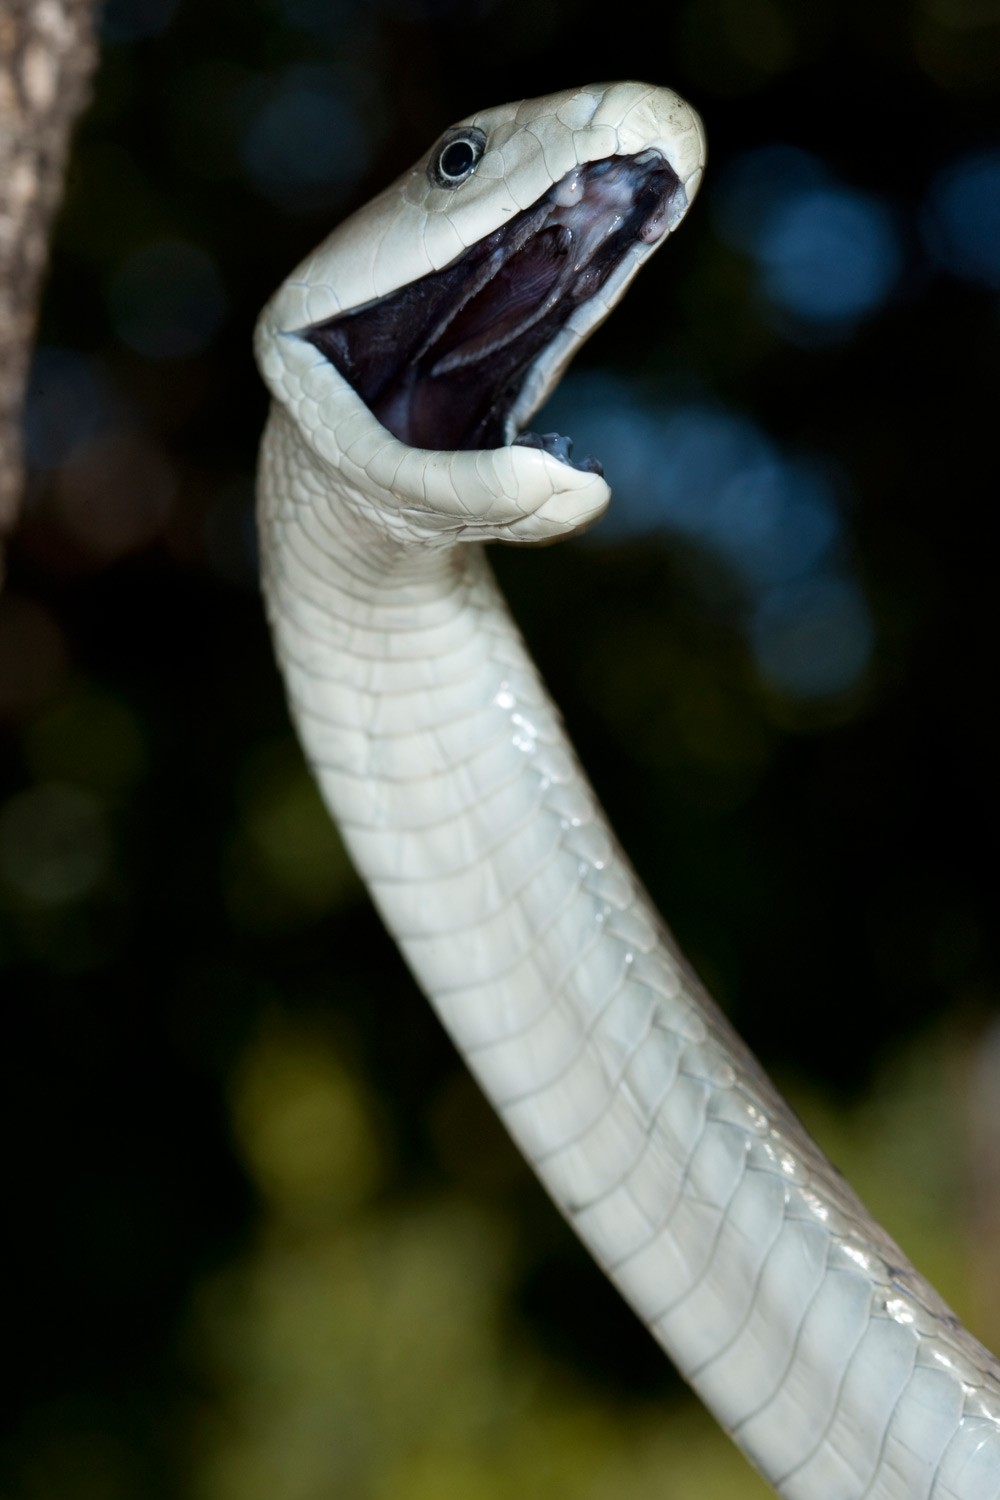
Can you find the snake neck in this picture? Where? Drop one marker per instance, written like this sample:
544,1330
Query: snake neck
434,743
445,765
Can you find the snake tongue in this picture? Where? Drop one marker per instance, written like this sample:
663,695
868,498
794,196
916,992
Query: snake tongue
561,448
442,362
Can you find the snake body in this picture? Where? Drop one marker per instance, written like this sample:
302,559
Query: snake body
404,356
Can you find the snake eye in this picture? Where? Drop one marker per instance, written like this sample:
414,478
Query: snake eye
457,156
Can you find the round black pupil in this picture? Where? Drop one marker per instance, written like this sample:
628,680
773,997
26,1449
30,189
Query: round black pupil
456,159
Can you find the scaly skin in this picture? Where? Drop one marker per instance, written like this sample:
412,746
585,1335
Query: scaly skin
826,1357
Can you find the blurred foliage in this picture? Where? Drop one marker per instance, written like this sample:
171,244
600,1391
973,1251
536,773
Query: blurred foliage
265,1236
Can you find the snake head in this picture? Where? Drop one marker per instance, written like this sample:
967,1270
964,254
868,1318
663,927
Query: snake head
414,346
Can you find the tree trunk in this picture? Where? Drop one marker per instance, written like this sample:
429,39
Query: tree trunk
47,55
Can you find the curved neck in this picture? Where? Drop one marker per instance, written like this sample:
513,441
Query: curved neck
447,770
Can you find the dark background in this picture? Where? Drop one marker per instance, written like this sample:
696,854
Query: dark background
776,658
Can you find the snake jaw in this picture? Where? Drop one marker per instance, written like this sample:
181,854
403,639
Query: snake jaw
444,363
346,405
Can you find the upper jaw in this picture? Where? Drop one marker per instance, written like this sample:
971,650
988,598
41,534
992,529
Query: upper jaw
532,143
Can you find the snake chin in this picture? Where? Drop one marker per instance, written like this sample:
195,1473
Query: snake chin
441,363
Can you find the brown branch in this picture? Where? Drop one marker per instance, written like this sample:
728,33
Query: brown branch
47,56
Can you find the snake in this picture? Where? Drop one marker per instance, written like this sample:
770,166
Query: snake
405,358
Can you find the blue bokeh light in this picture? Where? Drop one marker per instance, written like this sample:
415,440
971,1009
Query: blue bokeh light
771,519
775,520
754,186
826,255
962,218
829,256
813,638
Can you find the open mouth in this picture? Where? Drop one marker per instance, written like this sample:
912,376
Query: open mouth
441,363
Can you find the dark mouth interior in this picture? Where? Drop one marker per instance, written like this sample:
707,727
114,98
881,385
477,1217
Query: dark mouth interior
442,361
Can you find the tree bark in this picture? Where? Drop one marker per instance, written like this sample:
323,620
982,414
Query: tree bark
47,57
